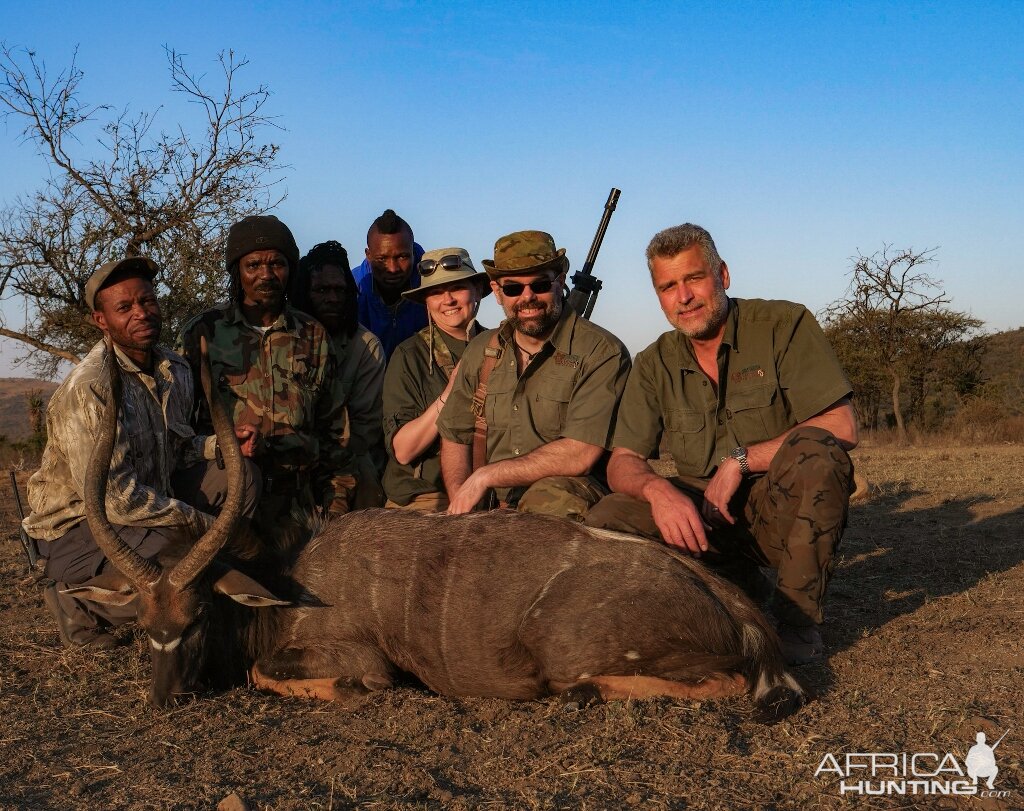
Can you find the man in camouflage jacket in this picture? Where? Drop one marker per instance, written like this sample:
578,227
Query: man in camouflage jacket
276,369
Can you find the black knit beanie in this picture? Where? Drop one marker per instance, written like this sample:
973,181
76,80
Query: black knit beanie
261,232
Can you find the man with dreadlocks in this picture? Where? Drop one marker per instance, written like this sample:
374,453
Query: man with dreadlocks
420,375
388,271
324,288
275,368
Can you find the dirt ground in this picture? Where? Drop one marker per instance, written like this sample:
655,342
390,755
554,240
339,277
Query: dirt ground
925,648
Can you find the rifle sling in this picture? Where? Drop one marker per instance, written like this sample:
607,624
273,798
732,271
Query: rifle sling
491,354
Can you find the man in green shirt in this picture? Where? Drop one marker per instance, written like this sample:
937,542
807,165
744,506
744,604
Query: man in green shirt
754,407
325,288
552,384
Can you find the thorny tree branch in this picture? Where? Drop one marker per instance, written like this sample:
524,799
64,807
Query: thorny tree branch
170,195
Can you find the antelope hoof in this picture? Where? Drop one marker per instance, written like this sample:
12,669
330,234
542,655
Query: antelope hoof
580,696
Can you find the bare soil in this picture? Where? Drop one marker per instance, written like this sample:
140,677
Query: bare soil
924,650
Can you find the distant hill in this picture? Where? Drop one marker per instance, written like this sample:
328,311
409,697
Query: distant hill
14,393
1004,355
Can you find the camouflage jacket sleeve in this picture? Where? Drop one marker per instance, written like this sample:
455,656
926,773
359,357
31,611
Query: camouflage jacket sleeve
194,447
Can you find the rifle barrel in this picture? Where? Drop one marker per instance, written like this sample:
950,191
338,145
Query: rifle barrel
28,543
595,246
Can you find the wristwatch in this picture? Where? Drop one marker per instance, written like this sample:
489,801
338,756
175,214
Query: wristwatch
740,455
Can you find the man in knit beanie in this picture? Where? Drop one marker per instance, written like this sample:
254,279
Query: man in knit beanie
276,369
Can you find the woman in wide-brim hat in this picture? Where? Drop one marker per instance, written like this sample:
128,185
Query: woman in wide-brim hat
420,374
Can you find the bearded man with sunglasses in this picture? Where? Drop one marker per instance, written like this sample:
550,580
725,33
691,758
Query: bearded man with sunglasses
530,415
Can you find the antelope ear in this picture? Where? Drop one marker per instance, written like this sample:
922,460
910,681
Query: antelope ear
109,588
243,589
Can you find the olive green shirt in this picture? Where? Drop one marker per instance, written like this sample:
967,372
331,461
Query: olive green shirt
776,368
416,376
570,389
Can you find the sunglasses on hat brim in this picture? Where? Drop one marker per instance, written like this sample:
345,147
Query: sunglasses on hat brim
453,261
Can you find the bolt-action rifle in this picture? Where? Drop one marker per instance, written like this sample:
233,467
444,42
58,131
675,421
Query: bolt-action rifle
586,286
28,543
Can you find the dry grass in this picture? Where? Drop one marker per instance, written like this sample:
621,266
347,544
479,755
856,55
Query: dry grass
925,649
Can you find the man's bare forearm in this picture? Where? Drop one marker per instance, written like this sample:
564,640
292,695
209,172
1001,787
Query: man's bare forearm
839,419
563,457
631,474
456,465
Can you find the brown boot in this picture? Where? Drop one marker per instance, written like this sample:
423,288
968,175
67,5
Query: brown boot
76,626
801,645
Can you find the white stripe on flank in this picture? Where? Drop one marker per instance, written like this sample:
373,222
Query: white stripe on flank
449,581
375,572
413,580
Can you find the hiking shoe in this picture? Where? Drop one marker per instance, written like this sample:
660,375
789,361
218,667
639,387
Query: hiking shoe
80,630
801,645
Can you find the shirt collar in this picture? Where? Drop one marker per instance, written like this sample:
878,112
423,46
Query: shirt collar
285,321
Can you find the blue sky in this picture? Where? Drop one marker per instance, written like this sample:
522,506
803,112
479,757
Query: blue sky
797,133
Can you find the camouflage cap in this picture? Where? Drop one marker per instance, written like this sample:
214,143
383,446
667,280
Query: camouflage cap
466,271
525,252
134,265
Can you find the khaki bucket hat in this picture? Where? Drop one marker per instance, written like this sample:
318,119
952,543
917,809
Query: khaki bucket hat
446,266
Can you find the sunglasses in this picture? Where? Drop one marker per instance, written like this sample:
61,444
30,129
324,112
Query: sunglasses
453,261
515,289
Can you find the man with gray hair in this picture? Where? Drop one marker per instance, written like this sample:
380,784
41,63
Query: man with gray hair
754,407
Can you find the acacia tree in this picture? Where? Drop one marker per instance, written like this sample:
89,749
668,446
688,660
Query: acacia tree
895,321
167,194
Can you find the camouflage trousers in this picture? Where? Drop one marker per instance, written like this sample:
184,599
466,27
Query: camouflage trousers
563,496
791,519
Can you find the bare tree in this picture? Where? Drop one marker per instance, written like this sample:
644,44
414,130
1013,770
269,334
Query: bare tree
894,321
169,195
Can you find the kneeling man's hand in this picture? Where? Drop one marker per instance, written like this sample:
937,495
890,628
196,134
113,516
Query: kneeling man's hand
678,519
248,439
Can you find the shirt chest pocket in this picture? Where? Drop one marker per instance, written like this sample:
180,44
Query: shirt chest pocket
755,414
687,440
550,406
142,439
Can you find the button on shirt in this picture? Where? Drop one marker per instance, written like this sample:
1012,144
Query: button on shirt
776,368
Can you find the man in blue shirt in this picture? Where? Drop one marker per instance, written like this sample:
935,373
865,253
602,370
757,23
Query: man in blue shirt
389,270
